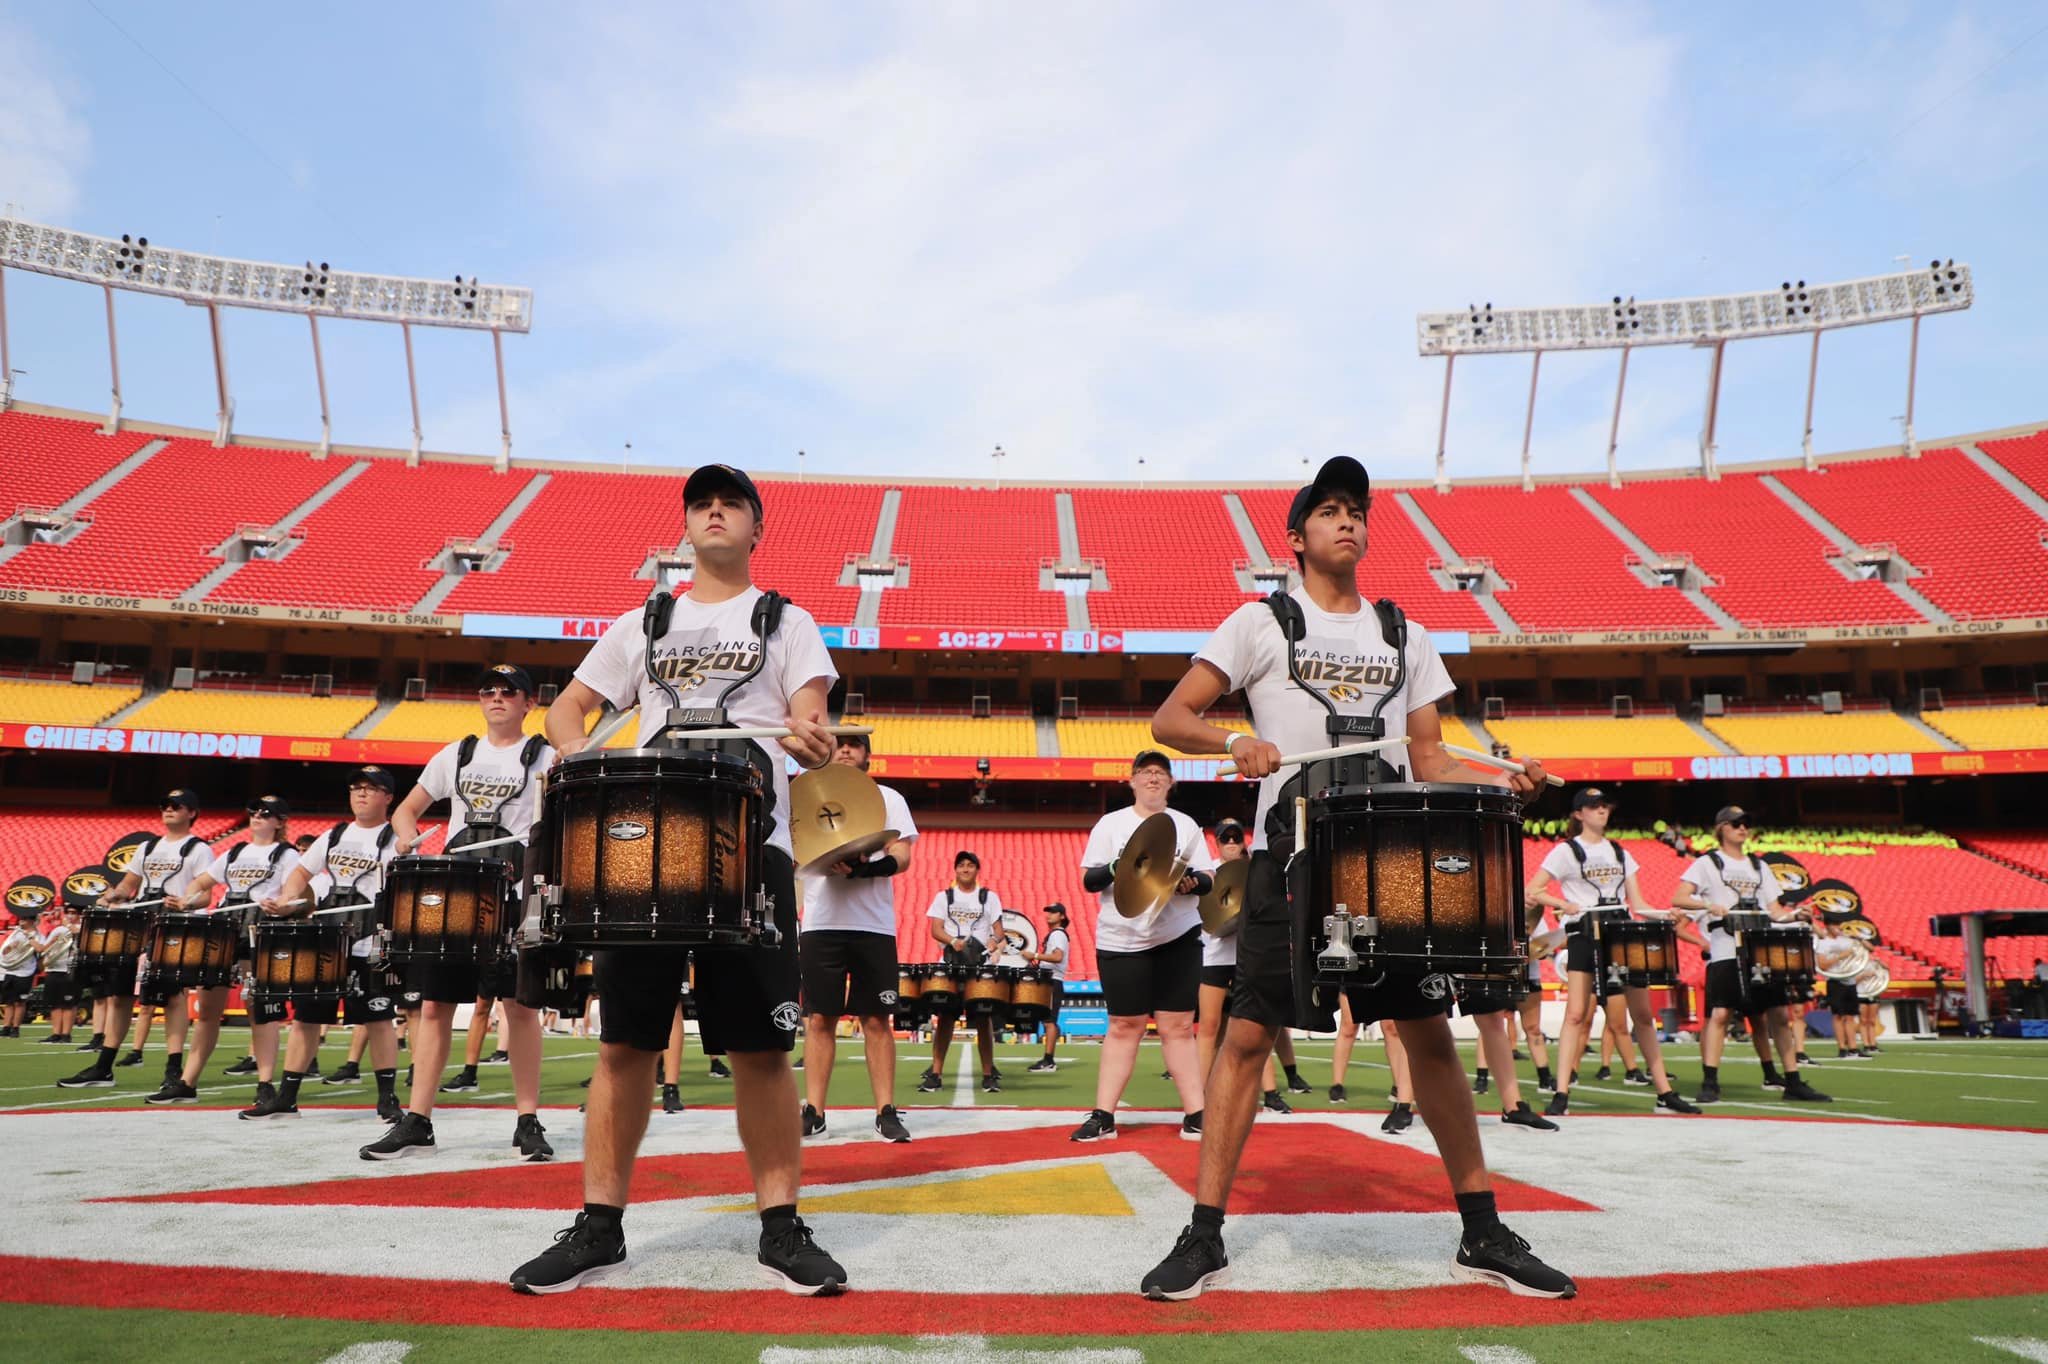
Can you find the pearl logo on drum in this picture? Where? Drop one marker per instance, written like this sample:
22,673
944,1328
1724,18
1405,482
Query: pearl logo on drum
626,830
1451,864
432,900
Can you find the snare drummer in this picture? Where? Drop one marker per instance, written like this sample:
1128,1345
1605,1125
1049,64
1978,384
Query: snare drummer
355,854
848,952
1151,966
1730,877
746,995
490,784
964,919
252,870
1326,527
1051,956
163,868
1593,872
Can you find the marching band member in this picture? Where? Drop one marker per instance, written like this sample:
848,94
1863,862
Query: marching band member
252,871
1326,527
1151,966
20,959
490,786
1729,878
746,996
964,918
354,853
1052,954
848,953
1592,871
1219,969
1831,946
57,945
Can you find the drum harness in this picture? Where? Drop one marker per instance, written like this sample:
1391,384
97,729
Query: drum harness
972,955
1605,902
1744,904
491,828
238,901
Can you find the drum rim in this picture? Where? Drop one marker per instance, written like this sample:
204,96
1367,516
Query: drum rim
1355,790
591,757
410,861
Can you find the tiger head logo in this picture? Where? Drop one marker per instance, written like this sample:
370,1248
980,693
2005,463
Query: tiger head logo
1835,901
29,900
88,885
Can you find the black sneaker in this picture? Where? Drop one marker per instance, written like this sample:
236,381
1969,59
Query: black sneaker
997,1072
1190,1127
1636,1077
1043,1063
1708,1094
1097,1126
349,1074
1798,1091
791,1260
1399,1119
1338,1096
1194,1265
1481,1082
991,1083
582,1253
1604,1073
265,1090
719,1070
174,1068
1545,1081
133,1058
928,1083
98,1040
532,1139
1560,1105
411,1135
1297,1085
268,1106
313,1069
889,1125
1273,1103
498,1058
1866,1052
388,1109
1501,1258
1671,1101
174,1092
92,1077
671,1099
408,1079
1803,1059
814,1122
245,1066
797,1064
463,1083
1774,1081
1525,1116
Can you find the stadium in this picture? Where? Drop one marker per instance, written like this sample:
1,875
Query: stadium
1845,654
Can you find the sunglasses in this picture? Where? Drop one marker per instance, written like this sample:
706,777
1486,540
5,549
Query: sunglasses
1738,824
268,814
496,691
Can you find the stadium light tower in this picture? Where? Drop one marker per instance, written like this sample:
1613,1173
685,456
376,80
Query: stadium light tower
1707,323
214,282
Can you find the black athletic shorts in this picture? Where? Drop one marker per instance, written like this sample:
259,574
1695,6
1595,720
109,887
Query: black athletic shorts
1582,954
262,1013
370,996
1725,990
1480,997
746,996
1159,980
460,982
1264,989
1843,1001
1220,978
848,972
15,988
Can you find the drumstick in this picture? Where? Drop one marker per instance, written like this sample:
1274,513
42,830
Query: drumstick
770,732
610,727
493,843
141,904
1473,755
1318,755
422,836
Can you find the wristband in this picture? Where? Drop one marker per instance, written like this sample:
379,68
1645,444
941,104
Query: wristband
884,865
1230,739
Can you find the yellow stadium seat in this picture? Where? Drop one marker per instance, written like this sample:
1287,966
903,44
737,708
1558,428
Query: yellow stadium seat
1993,726
952,736
1457,732
442,722
324,717
60,703
1107,737
1871,731
1600,736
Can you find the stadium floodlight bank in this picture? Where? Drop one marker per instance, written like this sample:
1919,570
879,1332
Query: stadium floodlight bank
1623,324
133,263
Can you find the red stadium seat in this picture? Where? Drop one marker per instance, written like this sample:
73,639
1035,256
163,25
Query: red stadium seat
46,461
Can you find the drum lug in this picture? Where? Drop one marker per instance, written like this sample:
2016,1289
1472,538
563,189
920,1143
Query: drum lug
764,920
1338,955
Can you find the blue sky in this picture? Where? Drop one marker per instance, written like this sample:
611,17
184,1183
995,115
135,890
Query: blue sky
897,236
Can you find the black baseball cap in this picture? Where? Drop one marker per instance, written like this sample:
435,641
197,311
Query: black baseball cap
965,856
706,479
1590,796
270,805
1342,474
1152,757
1228,831
1730,814
180,795
375,776
505,675
859,741
1056,908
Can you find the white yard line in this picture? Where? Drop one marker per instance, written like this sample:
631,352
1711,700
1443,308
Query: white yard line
2026,1347
963,1083
1987,1099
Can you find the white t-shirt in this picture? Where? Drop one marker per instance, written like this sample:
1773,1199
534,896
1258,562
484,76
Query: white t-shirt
1056,941
167,871
704,649
1115,933
1829,953
968,916
1343,657
860,904
494,787
1218,951
1723,890
19,938
354,861
1605,877
60,948
251,876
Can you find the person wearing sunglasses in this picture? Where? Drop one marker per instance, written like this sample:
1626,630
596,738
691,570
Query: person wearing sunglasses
1730,877
489,783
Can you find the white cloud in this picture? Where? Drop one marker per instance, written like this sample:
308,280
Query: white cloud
43,141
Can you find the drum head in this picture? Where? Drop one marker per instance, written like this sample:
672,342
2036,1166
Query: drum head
1021,933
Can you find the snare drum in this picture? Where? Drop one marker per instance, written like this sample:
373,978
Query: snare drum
445,909
910,982
1031,1000
653,846
1781,957
1429,875
191,952
989,990
944,990
553,976
1637,952
111,940
303,962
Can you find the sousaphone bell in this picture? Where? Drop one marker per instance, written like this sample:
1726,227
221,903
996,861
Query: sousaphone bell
1148,868
836,814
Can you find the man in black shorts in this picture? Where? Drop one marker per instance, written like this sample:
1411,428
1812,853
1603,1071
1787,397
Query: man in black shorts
1352,661
725,645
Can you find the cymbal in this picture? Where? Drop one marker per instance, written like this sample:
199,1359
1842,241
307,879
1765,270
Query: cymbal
1225,900
835,815
1148,868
